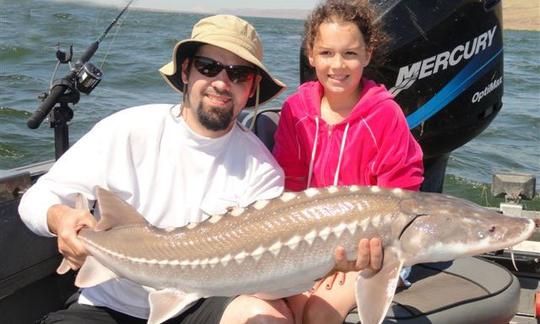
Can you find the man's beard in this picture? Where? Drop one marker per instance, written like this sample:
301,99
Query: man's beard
215,119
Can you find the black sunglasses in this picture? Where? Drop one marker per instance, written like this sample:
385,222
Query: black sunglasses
236,73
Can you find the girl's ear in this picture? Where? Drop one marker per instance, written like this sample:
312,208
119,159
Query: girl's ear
368,57
310,57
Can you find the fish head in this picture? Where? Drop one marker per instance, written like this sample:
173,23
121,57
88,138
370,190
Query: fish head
445,228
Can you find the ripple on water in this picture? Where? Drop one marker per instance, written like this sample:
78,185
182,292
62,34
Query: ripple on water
11,112
13,52
63,16
14,78
9,151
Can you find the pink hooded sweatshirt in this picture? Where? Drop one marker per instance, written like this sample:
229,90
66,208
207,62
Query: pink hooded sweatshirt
372,146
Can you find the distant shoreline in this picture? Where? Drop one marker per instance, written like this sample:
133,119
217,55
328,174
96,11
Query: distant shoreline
517,14
521,15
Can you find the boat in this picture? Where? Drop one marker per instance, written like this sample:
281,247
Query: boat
450,86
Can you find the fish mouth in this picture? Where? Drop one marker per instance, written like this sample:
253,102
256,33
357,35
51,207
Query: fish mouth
527,231
524,230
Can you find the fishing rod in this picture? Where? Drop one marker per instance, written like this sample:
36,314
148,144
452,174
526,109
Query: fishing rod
82,77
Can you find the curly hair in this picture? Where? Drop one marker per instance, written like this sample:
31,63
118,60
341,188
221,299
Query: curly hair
358,12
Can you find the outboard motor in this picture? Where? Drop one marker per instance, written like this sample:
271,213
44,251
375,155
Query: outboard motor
444,64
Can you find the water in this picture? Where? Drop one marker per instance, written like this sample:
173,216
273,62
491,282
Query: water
132,54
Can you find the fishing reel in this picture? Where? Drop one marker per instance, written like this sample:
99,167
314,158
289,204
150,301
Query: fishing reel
86,76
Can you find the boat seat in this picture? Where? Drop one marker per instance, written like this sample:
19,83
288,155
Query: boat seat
467,290
265,127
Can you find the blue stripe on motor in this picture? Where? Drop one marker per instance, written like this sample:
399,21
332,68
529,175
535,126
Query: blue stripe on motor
454,88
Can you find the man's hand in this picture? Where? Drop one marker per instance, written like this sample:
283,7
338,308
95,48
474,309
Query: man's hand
66,222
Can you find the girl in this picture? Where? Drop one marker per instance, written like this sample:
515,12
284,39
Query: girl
342,129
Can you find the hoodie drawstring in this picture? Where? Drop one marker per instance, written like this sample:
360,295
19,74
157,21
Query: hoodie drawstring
313,151
341,149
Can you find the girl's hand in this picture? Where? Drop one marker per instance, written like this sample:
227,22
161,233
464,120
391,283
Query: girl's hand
329,281
369,256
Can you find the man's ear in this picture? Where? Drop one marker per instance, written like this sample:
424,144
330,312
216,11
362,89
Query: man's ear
185,71
257,80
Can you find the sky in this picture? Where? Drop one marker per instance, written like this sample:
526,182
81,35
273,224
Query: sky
212,5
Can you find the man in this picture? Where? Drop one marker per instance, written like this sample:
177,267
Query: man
174,164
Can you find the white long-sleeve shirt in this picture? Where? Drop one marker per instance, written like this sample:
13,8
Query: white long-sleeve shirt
149,157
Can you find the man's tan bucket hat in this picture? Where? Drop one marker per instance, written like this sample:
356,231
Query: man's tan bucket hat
230,33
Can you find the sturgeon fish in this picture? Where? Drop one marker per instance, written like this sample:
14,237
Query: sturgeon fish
280,247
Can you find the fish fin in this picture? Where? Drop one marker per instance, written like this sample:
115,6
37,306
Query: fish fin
63,268
375,290
114,211
93,273
166,303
